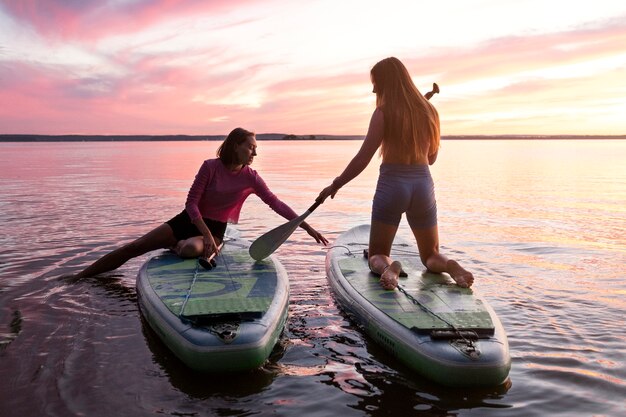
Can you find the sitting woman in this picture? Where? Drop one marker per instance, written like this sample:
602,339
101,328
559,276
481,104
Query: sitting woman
215,198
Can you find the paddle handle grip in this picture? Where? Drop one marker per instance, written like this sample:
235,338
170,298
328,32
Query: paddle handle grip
432,92
314,206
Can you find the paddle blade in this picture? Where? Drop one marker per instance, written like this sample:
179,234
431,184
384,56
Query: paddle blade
265,245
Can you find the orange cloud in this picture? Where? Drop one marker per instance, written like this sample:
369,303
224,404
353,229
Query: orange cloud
508,55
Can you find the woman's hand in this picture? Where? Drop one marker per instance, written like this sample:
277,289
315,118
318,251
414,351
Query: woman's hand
331,190
319,238
210,247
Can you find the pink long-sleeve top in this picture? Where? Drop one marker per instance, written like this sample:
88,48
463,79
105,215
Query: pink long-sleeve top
218,193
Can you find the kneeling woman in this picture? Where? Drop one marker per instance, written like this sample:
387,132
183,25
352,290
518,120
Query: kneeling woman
215,198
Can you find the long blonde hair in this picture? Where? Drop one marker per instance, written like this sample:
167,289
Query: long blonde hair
411,121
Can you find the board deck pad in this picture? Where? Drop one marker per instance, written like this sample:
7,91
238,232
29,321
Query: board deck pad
436,292
234,286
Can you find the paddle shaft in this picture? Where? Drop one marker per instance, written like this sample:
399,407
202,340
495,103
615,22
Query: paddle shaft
314,206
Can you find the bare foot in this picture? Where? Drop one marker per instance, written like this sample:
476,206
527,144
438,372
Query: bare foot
389,277
366,255
461,276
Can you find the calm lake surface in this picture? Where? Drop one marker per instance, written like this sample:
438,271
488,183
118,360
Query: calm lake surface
542,224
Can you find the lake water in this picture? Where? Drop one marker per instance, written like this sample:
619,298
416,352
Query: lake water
542,224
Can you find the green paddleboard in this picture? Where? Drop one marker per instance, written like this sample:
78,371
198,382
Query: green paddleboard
442,331
225,319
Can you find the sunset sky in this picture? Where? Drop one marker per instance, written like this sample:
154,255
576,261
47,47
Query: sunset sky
206,66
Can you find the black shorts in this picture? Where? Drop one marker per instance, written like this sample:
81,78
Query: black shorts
183,228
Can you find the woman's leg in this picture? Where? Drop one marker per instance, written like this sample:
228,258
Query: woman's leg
428,245
159,238
189,248
192,247
381,239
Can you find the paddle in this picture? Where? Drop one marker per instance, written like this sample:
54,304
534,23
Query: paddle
432,92
265,245
209,263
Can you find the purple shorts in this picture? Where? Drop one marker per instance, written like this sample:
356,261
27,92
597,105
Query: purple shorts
405,189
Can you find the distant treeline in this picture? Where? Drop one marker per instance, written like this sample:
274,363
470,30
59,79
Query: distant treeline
264,136
161,138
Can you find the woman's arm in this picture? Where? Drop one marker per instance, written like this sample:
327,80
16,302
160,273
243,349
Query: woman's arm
196,191
191,205
369,147
372,142
262,190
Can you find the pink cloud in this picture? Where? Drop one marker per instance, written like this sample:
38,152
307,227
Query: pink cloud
158,98
43,100
90,19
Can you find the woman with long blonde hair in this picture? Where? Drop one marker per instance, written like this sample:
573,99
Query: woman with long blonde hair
405,126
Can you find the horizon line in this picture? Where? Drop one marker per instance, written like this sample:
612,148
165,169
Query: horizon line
29,137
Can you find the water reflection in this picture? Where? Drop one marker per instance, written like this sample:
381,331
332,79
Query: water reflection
408,397
540,226
200,385
382,383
